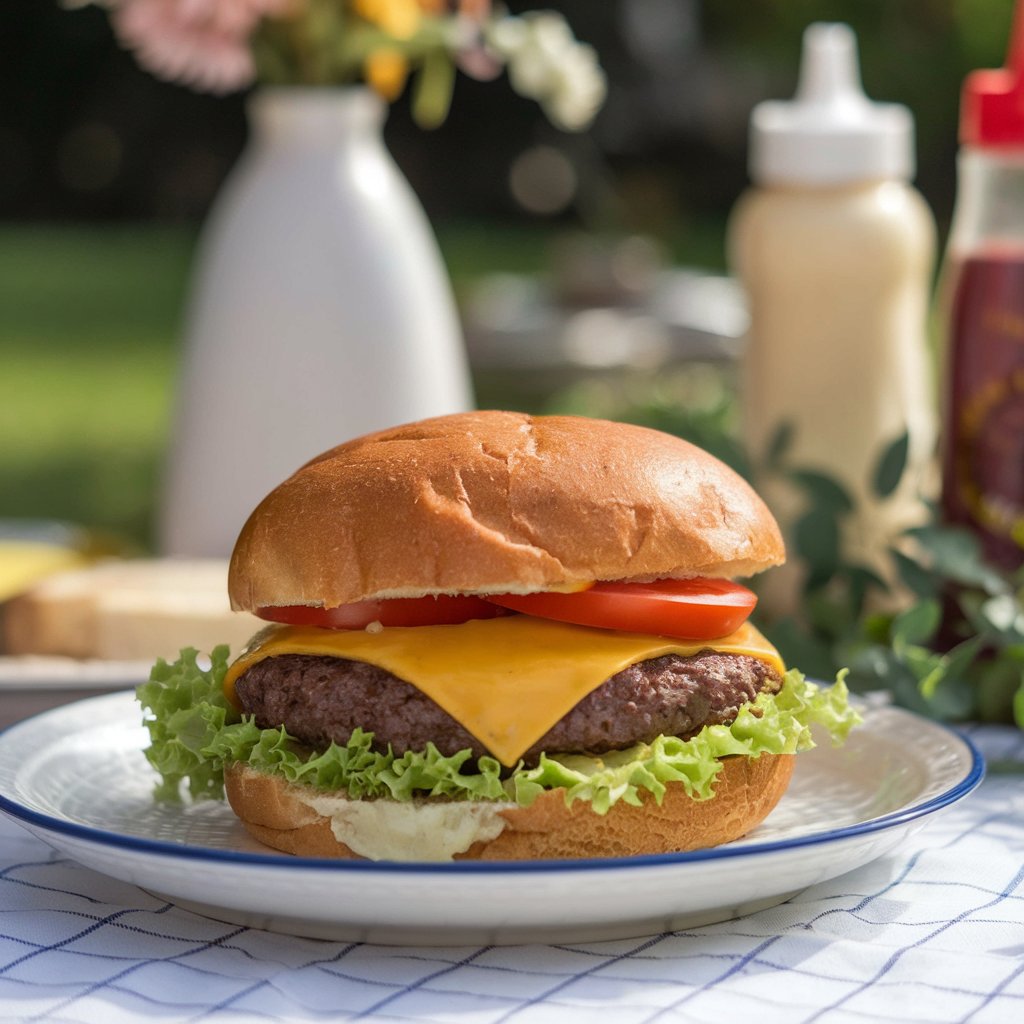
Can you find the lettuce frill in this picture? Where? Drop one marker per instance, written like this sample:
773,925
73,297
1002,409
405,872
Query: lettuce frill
194,732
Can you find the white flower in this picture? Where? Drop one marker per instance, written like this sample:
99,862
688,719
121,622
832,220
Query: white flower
579,90
547,64
506,35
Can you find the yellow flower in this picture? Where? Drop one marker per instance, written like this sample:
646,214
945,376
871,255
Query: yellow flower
398,18
386,70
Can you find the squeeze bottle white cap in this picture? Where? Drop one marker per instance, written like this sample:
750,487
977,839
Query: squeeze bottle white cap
830,133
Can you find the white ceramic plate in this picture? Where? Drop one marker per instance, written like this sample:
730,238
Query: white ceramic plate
76,777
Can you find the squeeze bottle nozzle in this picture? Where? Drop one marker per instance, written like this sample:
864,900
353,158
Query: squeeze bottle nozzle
992,105
830,133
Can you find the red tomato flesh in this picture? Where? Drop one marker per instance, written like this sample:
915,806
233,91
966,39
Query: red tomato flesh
439,610
693,609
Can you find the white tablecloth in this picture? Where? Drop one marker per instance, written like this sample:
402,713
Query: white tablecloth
932,933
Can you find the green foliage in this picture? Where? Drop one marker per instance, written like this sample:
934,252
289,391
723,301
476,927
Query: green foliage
890,467
434,88
329,44
952,648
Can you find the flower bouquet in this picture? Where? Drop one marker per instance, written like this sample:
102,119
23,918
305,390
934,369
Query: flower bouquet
225,45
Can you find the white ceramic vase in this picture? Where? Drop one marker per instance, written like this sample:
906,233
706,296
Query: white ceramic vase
320,310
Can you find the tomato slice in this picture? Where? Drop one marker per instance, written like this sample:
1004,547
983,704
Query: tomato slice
693,609
439,610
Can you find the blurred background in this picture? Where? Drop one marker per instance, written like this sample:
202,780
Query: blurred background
107,173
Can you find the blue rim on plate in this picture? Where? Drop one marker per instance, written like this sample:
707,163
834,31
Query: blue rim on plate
961,788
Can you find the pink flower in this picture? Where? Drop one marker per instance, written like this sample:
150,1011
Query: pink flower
202,43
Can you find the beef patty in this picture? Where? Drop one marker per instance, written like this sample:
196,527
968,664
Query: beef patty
319,699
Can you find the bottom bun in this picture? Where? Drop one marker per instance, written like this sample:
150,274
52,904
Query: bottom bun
278,813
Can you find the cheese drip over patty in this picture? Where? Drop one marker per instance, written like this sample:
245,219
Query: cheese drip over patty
508,680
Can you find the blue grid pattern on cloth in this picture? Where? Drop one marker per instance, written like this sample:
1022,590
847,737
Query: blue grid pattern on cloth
931,933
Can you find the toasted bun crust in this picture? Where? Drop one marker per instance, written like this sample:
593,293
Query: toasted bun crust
746,791
498,502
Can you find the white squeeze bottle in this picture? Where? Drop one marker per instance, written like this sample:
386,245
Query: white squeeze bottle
835,251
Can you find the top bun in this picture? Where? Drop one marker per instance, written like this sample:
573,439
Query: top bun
498,502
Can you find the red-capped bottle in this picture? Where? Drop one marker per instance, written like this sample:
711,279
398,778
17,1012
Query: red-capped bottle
983,442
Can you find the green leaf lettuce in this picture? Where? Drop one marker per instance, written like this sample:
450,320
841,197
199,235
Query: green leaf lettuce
194,732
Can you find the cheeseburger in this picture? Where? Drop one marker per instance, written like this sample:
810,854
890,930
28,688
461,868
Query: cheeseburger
496,636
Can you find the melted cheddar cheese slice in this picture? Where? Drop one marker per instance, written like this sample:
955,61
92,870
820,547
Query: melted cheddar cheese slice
508,680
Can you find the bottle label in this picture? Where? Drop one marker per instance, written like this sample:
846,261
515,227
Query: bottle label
983,458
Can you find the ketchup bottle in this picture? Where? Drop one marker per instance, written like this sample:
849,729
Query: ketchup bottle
983,442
